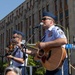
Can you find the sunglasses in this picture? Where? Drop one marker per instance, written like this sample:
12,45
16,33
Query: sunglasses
46,19
15,37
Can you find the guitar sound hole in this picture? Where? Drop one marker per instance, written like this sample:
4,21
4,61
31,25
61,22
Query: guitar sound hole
41,52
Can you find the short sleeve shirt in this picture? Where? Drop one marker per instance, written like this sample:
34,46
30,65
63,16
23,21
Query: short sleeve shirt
19,54
53,33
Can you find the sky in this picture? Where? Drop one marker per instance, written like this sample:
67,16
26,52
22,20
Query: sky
6,6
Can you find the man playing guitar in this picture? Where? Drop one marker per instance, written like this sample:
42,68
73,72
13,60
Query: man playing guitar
52,53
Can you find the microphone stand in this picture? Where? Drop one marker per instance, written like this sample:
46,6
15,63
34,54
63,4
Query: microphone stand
33,33
24,57
24,52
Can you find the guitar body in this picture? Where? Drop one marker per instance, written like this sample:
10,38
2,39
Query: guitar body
51,58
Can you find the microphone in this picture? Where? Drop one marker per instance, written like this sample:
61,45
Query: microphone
23,43
38,25
70,46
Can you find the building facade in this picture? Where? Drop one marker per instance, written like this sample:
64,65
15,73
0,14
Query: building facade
29,14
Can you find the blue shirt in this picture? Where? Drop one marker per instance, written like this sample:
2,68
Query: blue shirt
19,54
53,33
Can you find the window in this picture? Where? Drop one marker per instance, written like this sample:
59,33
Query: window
60,7
66,4
39,16
55,3
47,7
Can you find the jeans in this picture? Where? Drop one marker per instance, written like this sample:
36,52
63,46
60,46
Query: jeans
63,71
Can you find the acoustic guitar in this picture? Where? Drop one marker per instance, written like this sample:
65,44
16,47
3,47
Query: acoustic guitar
51,58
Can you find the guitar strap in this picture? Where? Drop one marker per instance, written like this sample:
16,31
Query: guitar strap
43,38
13,54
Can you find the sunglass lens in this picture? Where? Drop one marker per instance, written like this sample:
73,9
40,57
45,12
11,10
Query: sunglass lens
43,18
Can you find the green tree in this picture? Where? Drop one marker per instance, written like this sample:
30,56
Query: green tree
37,67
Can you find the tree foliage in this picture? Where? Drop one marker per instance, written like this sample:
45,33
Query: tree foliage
37,67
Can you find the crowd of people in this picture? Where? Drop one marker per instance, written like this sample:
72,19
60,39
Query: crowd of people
54,37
